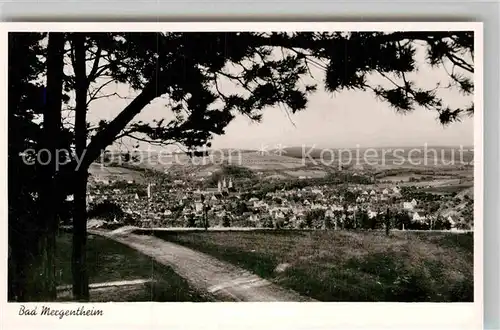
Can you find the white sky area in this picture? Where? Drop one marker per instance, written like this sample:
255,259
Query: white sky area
344,120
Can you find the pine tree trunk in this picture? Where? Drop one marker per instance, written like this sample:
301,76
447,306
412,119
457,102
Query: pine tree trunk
79,267
23,254
43,272
46,286
25,227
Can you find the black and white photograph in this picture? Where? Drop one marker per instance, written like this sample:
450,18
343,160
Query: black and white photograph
242,166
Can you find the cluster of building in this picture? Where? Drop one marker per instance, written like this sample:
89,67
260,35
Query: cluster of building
181,202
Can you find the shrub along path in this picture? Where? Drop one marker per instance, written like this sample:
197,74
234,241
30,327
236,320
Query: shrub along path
221,279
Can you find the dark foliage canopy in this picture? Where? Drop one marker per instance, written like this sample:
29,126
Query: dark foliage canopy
190,70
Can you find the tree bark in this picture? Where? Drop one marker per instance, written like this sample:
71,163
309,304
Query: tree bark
105,138
43,276
23,223
79,266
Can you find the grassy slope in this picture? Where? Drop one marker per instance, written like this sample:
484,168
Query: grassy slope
115,173
110,261
347,266
182,164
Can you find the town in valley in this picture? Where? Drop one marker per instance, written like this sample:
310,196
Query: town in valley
275,190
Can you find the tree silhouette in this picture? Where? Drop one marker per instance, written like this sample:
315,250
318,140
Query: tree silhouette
24,104
187,70
28,98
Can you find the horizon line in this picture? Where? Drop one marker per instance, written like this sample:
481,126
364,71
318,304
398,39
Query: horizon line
315,147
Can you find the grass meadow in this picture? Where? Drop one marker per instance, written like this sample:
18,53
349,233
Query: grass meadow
109,261
349,266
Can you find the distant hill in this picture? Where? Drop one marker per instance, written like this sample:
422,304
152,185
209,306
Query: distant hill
180,164
287,162
390,155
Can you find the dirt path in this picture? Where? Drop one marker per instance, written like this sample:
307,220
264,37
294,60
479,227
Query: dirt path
206,273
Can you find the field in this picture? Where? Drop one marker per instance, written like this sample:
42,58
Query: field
182,165
310,173
349,266
99,172
398,178
386,158
463,189
108,261
295,162
251,160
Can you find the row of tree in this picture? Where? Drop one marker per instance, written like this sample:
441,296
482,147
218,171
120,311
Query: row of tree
316,219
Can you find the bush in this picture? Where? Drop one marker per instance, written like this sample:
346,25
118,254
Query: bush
402,220
190,221
307,223
414,225
267,223
329,223
314,219
130,221
200,222
106,210
441,224
280,224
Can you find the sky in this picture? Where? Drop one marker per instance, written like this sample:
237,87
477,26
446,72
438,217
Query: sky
346,119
